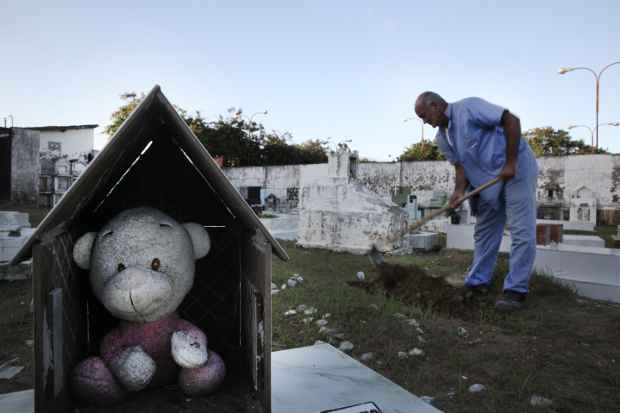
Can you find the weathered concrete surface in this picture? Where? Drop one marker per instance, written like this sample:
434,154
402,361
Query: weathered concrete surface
583,240
593,272
283,226
17,402
461,237
569,225
25,166
425,241
562,177
13,221
349,217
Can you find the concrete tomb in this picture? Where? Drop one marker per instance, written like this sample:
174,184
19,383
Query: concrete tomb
583,206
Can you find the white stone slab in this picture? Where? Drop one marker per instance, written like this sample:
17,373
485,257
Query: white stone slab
13,220
9,246
461,237
594,272
316,378
583,240
569,225
423,240
17,402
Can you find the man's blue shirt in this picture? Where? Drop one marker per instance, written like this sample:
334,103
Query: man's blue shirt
475,139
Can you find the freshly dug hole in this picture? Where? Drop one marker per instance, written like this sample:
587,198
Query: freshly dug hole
414,286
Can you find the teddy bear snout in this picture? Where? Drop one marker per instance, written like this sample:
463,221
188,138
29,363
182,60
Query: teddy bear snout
136,290
131,278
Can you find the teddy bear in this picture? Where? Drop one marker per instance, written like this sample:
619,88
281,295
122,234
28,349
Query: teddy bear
142,265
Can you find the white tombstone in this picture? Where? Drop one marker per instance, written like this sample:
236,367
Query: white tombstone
411,206
583,206
342,164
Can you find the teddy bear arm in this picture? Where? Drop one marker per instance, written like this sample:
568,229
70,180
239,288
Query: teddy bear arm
131,365
189,345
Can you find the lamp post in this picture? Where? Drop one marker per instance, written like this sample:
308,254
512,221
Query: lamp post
597,76
421,122
252,119
258,113
592,131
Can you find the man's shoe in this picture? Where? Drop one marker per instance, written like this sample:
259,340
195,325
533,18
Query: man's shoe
477,291
510,301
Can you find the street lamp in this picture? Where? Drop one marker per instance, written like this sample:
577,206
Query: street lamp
258,113
421,121
592,131
597,76
251,120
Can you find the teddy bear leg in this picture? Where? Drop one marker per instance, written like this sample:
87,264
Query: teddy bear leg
201,381
93,382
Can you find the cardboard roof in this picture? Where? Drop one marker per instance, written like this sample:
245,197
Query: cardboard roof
119,155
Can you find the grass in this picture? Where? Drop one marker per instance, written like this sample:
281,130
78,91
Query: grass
267,215
562,347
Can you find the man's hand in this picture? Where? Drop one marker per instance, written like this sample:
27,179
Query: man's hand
455,197
508,172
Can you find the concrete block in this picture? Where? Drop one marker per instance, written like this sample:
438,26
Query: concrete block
13,220
17,402
584,240
594,272
461,237
426,241
569,225
9,246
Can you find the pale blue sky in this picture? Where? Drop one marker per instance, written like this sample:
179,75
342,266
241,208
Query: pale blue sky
345,70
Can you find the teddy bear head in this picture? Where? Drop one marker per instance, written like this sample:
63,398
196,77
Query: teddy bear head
142,262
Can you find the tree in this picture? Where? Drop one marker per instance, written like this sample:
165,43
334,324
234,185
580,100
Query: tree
312,151
122,113
547,141
239,141
422,151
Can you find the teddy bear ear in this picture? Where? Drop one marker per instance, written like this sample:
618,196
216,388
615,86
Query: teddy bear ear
200,239
82,250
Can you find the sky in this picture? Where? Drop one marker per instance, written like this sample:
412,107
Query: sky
322,69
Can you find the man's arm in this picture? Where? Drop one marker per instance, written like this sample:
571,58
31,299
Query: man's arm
512,130
460,184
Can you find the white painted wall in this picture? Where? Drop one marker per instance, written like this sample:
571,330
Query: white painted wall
599,173
74,142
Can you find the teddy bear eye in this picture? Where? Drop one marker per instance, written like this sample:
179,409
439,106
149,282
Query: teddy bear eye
155,264
120,267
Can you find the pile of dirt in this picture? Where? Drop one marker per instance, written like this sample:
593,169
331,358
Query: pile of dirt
413,285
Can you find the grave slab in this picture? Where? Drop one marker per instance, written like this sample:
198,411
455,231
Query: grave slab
13,220
584,240
321,378
17,402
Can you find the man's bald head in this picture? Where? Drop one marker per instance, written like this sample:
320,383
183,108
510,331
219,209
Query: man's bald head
430,107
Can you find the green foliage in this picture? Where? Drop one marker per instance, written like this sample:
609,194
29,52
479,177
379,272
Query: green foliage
550,142
122,113
239,141
422,151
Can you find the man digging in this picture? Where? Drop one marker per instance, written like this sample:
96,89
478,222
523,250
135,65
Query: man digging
483,141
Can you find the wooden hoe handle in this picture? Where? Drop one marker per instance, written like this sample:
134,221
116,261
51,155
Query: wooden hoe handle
447,208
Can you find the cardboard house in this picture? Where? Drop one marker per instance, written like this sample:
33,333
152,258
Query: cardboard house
155,160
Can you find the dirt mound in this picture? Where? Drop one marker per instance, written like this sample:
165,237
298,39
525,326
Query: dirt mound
415,286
